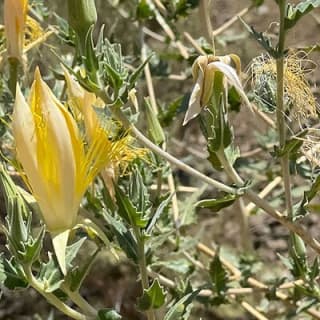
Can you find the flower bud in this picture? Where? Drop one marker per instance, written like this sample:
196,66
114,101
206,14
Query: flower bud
82,15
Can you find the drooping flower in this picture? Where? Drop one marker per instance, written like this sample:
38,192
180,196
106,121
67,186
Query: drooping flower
15,16
203,71
54,157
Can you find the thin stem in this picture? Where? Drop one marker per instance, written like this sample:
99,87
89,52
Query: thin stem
143,268
252,196
246,242
281,111
51,298
204,11
184,167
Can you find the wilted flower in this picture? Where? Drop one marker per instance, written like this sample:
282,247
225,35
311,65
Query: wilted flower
298,96
203,71
15,16
57,165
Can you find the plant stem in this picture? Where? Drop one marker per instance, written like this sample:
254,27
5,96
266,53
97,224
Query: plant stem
249,194
184,167
79,301
281,110
51,298
143,268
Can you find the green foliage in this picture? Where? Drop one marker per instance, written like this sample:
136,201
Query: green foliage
181,309
296,12
153,297
217,204
108,314
218,275
262,39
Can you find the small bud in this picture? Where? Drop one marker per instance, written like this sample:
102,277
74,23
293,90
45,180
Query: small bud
82,15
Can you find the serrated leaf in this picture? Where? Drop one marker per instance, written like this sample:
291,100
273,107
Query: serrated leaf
14,278
108,314
50,274
218,275
261,38
217,204
153,297
127,210
296,12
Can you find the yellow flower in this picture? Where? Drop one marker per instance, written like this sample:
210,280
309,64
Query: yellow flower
203,72
57,165
83,102
15,16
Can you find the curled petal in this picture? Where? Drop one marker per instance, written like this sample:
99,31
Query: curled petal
194,107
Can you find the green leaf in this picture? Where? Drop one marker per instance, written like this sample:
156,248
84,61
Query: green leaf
218,275
153,297
154,127
127,210
108,314
161,208
315,270
301,209
217,204
296,12
293,145
77,275
138,193
168,114
134,76
261,38
125,238
180,308
144,11
50,274
11,274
